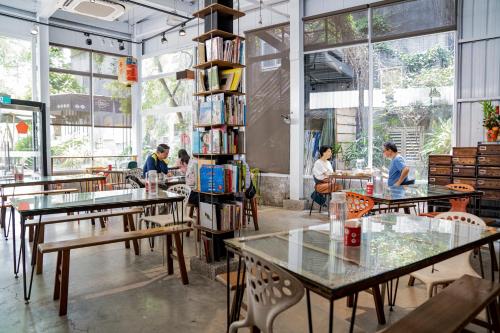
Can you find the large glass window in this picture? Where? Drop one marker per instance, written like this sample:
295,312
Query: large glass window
16,68
412,83
166,103
90,110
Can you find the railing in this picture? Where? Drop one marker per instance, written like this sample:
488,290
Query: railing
72,164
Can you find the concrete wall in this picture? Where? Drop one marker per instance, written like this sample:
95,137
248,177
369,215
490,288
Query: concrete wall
274,188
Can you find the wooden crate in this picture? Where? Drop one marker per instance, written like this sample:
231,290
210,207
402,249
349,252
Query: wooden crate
488,183
464,151
488,149
435,170
464,161
439,159
468,181
439,180
464,171
493,172
493,160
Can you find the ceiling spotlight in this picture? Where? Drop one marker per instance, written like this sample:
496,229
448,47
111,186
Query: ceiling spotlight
35,29
88,41
182,32
121,45
163,38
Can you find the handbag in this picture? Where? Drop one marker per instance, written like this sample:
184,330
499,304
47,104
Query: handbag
250,192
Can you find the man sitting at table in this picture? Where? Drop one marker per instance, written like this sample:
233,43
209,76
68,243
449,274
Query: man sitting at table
157,160
398,171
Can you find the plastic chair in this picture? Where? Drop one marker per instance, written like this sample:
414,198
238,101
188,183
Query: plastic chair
358,205
445,272
457,205
271,290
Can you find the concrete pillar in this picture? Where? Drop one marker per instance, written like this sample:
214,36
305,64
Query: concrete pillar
43,77
296,8
136,104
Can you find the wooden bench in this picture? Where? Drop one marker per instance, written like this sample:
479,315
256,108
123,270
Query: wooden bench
128,225
453,308
63,249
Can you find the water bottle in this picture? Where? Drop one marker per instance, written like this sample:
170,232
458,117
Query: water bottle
378,183
338,215
152,182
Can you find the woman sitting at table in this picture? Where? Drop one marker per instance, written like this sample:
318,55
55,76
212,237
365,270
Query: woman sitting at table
322,170
182,161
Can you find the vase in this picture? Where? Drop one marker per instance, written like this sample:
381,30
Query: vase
492,135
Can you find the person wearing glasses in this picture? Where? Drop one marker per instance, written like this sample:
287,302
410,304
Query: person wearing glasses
398,171
157,160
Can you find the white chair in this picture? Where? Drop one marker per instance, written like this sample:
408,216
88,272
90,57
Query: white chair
446,272
270,291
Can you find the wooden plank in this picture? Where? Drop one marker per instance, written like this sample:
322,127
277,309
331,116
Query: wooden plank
70,218
450,310
111,238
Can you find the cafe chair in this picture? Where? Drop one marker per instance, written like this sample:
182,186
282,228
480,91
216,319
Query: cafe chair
457,205
267,297
358,205
446,272
321,199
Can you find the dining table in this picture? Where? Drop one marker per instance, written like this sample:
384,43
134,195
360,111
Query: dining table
38,206
35,180
392,245
394,196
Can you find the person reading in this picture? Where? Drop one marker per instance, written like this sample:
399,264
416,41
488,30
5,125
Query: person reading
322,170
157,160
398,171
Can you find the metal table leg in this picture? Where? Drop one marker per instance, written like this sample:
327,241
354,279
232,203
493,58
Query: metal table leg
309,314
330,321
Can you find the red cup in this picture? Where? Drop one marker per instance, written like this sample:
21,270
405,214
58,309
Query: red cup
369,188
352,234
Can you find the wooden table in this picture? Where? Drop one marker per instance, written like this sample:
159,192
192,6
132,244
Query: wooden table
392,245
77,202
348,175
40,181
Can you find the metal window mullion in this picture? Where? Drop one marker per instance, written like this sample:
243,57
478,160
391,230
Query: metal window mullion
91,107
370,90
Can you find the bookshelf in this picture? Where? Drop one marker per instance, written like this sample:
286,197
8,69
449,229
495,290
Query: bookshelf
218,126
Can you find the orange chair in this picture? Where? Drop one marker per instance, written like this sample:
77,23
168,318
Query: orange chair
358,205
457,205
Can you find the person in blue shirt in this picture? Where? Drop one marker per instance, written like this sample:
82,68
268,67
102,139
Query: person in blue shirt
157,160
398,171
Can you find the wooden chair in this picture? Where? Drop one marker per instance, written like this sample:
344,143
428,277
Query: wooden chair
457,205
271,290
358,205
250,211
445,272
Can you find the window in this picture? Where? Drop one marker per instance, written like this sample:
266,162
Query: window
90,110
269,65
16,68
166,103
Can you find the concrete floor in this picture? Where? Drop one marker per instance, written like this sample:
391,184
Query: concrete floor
112,290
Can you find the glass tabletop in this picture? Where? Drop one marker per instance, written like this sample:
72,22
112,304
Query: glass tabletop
91,200
37,180
389,242
411,192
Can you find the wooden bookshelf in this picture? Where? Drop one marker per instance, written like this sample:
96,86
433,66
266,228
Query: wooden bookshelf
216,33
219,91
218,125
215,155
220,64
236,14
214,193
212,231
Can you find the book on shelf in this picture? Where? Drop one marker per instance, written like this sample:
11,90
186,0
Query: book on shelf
221,140
221,217
220,109
236,73
201,53
201,163
217,48
211,112
201,81
223,178
213,78
226,79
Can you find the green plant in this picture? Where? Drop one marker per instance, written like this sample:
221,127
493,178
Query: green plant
491,119
438,140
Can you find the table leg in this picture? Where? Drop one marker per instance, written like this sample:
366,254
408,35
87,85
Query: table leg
309,314
353,315
330,321
131,227
12,216
228,292
23,258
3,216
391,293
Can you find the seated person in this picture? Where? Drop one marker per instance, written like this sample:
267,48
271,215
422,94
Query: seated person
322,170
157,160
398,171
182,161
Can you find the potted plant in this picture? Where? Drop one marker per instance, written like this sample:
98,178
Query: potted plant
491,121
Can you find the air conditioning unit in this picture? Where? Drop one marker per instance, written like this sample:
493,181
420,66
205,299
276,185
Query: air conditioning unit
100,9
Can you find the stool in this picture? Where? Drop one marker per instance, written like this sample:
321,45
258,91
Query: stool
250,211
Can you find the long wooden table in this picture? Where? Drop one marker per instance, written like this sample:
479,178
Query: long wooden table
392,245
78,202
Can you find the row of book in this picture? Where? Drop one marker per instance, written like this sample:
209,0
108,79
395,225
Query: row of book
221,217
211,79
221,140
218,109
217,48
226,178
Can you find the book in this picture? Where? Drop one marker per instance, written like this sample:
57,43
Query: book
225,80
201,53
212,179
205,113
236,77
205,143
201,82
202,162
196,142
213,78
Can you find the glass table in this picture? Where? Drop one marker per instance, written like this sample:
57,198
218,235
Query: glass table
392,245
77,202
393,196
10,182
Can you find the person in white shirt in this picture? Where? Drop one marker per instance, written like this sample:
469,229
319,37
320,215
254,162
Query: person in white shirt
322,170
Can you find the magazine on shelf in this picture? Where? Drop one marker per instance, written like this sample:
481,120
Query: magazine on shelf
201,53
213,78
